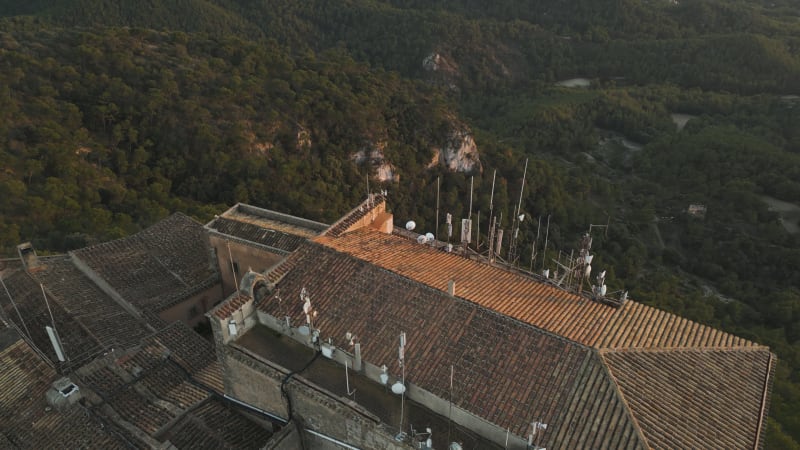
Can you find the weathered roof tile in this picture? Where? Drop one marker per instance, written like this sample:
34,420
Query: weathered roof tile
158,266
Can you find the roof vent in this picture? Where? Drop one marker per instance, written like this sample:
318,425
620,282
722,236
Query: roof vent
63,393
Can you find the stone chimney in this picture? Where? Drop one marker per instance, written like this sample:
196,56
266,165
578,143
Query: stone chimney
28,256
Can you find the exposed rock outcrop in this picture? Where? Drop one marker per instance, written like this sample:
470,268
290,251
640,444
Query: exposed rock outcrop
459,153
373,153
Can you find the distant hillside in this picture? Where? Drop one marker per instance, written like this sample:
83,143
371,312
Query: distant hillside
115,113
504,42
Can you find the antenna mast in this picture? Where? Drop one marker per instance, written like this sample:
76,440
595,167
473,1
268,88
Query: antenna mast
546,235
437,208
512,248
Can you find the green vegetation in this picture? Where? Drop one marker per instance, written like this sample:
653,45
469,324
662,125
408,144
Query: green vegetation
113,114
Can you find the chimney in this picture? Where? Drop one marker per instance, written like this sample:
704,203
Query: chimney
451,288
28,256
357,360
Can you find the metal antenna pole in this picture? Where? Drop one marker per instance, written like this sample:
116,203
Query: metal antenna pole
471,185
546,235
491,197
478,232
437,207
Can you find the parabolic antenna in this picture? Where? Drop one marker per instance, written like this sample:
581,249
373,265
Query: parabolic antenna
398,388
429,237
304,330
421,239
410,225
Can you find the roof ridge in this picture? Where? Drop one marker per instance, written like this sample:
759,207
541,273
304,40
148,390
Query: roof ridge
621,396
743,348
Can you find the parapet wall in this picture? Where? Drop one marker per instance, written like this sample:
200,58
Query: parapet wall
327,420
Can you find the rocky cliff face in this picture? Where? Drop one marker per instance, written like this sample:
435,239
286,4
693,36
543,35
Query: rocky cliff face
459,153
384,170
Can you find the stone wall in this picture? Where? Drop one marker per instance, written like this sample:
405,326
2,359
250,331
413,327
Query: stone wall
327,420
244,257
191,311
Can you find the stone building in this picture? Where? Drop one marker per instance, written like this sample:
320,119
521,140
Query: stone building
490,358
246,238
96,348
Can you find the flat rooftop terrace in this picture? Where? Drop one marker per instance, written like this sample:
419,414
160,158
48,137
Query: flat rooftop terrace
273,220
370,395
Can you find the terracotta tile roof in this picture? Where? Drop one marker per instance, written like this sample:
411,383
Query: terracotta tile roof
26,421
79,345
506,371
106,320
706,398
595,400
217,425
358,213
157,384
523,350
158,266
539,304
231,304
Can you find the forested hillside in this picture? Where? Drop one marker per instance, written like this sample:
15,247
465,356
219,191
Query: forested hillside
114,114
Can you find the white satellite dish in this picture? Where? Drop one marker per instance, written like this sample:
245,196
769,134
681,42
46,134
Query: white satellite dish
421,239
603,290
304,330
429,237
455,446
398,388
589,259
546,273
410,225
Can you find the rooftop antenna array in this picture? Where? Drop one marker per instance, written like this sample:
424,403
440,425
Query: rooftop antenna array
308,329
577,269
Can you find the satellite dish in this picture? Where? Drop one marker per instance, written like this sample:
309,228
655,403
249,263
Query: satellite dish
589,259
304,330
603,290
421,239
521,217
546,273
588,269
429,237
455,446
398,388
410,225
